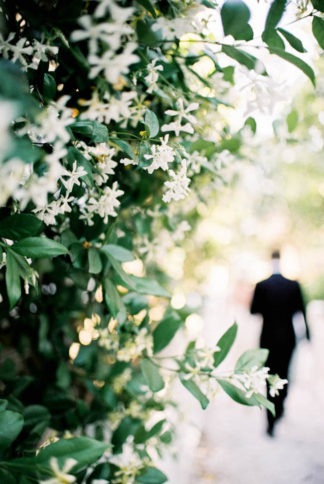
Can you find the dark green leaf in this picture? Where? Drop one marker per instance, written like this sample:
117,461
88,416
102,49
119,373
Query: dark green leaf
191,386
273,39
118,252
152,375
318,4
166,330
318,30
37,247
114,301
296,61
292,40
275,13
235,16
225,343
93,130
152,123
49,87
12,279
145,34
152,475
148,5
20,225
95,264
126,147
11,424
251,358
244,58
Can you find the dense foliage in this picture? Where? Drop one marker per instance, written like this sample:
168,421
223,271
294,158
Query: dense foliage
110,130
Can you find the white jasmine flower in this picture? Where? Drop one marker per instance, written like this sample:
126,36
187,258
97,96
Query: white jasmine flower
12,173
191,371
7,113
110,108
276,384
253,380
182,112
153,75
107,203
61,476
161,156
73,176
178,187
15,51
106,164
40,52
127,161
92,31
113,65
179,233
53,122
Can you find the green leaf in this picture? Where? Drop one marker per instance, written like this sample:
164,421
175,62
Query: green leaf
145,34
236,393
148,286
292,120
244,58
225,343
152,123
292,40
166,330
11,424
193,388
235,16
126,147
152,375
296,61
275,13
318,30
148,5
84,450
118,252
318,4
125,278
49,87
95,264
152,475
37,247
20,225
251,358
114,301
93,130
273,39
251,122
12,279
262,400
8,478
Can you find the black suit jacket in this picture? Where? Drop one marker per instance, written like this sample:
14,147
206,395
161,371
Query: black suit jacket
278,299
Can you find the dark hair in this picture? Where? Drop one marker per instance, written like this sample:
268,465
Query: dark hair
275,254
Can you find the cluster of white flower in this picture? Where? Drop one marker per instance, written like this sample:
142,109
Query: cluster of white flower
253,380
161,156
178,187
110,108
104,204
135,347
28,55
153,75
103,34
181,114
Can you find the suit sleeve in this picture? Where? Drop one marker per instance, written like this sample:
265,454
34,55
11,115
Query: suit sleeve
300,306
256,304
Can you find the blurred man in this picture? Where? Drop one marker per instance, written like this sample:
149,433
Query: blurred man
278,299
